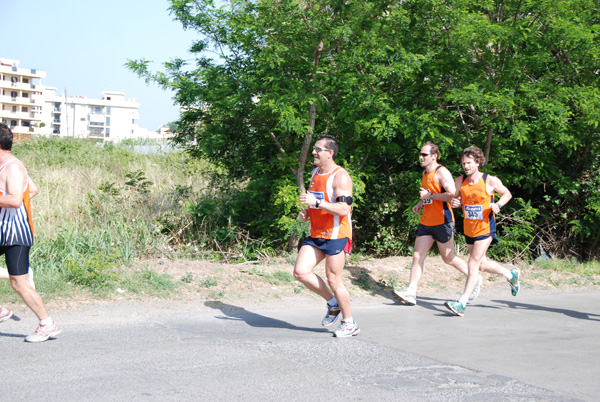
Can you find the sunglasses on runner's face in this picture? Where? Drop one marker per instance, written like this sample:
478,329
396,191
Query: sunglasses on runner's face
424,155
319,149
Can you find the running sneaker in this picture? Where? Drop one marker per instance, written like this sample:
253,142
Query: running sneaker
477,289
43,333
456,307
407,296
333,312
514,283
31,283
5,314
347,329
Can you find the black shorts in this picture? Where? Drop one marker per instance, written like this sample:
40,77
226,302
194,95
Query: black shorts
472,240
329,246
17,259
441,233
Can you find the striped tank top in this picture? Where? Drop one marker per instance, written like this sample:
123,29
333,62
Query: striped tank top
16,225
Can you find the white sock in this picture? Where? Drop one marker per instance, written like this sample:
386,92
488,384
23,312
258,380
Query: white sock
332,302
464,300
507,274
348,320
46,321
412,287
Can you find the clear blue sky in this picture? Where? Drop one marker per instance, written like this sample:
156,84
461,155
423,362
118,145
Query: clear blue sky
83,45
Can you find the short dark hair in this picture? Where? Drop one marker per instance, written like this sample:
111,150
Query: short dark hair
433,148
6,137
331,143
474,152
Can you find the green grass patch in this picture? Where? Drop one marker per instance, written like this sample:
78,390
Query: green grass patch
208,282
390,282
570,265
280,278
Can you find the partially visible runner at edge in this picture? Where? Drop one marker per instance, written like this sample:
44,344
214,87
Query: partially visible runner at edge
475,191
436,224
328,201
16,236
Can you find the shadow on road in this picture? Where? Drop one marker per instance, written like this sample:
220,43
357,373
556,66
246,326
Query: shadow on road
6,335
571,313
236,313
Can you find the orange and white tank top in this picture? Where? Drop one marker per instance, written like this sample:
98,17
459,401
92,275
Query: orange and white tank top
324,225
435,212
479,219
16,225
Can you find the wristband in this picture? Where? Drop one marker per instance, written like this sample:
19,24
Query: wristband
317,203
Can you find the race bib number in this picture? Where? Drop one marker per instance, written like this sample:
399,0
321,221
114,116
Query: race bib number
319,196
474,212
427,201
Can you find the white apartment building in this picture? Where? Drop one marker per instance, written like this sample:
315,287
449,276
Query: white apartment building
111,118
31,108
21,97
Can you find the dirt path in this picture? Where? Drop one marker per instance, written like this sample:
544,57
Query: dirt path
367,279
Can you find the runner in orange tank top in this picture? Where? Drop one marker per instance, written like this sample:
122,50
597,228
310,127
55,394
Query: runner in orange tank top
475,191
328,202
436,224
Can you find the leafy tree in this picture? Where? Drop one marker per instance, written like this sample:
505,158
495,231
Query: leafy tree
286,70
518,78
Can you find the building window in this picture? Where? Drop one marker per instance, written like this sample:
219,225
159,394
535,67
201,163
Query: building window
25,80
24,109
25,123
13,94
108,110
13,123
108,121
14,109
25,94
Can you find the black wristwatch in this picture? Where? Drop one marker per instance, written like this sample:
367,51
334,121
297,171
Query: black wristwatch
317,203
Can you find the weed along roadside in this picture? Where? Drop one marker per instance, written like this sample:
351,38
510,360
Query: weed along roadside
129,225
272,281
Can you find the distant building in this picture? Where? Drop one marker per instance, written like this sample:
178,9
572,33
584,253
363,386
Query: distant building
111,118
31,108
21,97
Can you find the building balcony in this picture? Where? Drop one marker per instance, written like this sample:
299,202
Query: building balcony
18,100
21,130
17,86
27,116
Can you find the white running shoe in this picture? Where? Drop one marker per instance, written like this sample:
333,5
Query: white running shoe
347,330
407,296
477,289
43,333
5,314
31,283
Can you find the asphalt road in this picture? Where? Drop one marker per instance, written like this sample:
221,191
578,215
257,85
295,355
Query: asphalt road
534,347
